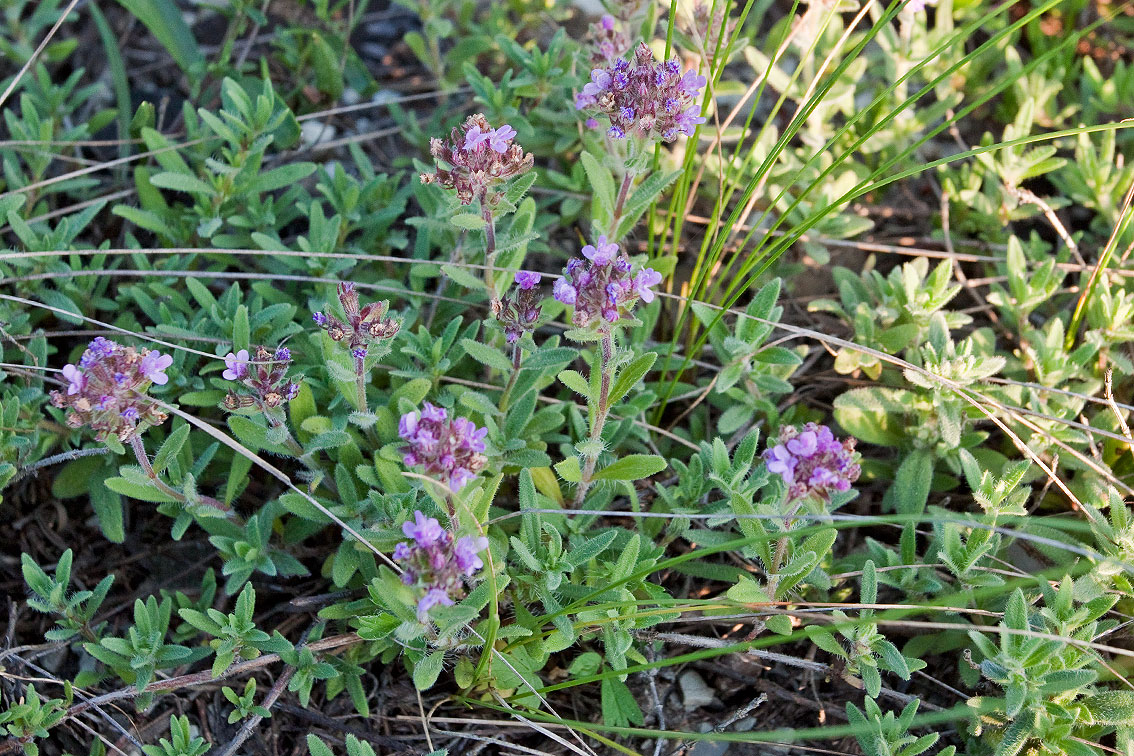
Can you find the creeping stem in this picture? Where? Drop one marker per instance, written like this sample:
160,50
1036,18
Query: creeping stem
602,408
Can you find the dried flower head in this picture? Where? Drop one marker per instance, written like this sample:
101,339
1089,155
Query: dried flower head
476,160
812,462
450,450
437,562
265,378
645,98
607,41
520,308
107,389
601,287
363,326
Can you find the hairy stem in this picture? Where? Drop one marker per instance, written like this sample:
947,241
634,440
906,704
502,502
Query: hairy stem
360,382
489,250
144,460
620,203
598,419
780,553
512,378
306,458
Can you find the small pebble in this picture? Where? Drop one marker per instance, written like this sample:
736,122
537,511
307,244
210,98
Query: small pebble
312,133
694,692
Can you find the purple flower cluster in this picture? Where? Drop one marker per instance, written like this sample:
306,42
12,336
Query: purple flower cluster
450,450
476,159
812,461
645,98
437,562
107,389
608,43
519,310
265,377
601,287
363,325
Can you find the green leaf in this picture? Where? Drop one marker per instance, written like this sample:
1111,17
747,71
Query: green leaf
780,624
182,182
645,194
468,221
74,478
574,380
316,747
619,708
426,671
284,176
602,183
170,448
629,376
910,490
632,467
107,506
874,415
163,19
1112,707
569,470
240,329
824,640
328,75
463,276
748,591
138,491
553,357
486,355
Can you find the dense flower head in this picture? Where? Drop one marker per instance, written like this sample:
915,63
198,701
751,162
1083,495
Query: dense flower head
364,324
437,562
107,389
607,41
644,98
476,160
812,462
519,310
263,375
602,287
705,22
449,449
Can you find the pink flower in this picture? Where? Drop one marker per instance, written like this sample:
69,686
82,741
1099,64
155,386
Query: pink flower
424,530
643,281
466,551
565,292
433,597
236,364
602,253
107,390
645,97
812,462
475,137
601,287
475,173
437,562
154,364
501,139
77,380
451,451
527,280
